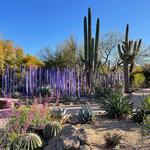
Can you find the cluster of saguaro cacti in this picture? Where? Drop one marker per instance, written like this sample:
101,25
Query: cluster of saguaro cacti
90,45
128,50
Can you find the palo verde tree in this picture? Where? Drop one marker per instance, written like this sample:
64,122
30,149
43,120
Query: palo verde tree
90,47
128,51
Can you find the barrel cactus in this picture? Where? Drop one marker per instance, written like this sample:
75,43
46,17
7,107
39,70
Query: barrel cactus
51,130
27,141
85,115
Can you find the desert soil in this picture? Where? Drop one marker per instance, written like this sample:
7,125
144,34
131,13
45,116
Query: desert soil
129,130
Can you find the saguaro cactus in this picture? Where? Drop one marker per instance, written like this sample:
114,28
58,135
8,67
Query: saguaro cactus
90,46
128,50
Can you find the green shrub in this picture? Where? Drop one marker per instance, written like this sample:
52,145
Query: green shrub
138,80
112,140
144,110
145,130
27,141
51,130
116,105
85,115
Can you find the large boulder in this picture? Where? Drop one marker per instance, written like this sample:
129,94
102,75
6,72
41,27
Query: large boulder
69,138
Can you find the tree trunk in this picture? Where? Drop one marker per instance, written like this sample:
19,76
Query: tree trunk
126,77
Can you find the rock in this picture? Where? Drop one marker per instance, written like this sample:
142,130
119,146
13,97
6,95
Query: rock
69,138
84,147
82,137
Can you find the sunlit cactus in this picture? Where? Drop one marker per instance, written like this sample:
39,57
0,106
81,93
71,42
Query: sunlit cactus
90,46
128,51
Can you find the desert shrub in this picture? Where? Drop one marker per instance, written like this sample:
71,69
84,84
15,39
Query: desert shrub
27,141
116,105
60,115
5,139
138,80
36,115
85,115
145,129
51,130
18,120
112,140
142,111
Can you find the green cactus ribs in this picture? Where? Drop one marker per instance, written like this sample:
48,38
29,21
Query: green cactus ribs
128,51
90,47
51,130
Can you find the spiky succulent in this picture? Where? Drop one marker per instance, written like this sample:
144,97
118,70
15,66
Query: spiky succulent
27,141
51,130
60,115
85,115
116,105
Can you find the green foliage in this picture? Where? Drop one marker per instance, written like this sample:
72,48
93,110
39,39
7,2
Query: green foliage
19,119
60,115
51,130
145,129
112,140
23,117
143,111
66,55
85,115
27,141
138,80
116,105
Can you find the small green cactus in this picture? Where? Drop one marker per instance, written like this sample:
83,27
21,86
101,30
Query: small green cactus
27,141
85,115
51,130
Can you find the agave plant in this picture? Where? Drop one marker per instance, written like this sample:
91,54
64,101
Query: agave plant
142,111
51,130
60,115
85,115
116,105
27,141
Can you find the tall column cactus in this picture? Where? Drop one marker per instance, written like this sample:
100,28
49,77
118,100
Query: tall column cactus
90,46
128,50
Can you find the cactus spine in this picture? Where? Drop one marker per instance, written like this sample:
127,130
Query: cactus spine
28,141
90,46
128,50
51,130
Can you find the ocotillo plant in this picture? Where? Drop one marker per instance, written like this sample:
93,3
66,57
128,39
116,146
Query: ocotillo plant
128,50
90,47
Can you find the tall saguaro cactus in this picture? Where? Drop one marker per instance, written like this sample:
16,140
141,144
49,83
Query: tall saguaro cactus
90,46
128,50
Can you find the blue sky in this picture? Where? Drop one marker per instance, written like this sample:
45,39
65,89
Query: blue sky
34,24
